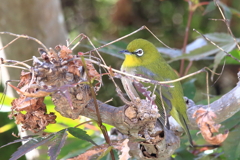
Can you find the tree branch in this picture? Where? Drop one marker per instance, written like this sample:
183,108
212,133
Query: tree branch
224,108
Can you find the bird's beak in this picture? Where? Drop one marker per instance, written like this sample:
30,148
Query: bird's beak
125,52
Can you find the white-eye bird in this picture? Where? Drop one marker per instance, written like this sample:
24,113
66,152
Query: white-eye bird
143,59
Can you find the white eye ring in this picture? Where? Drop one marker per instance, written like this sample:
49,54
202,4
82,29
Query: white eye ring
139,52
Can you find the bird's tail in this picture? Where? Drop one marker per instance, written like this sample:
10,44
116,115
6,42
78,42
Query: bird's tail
186,129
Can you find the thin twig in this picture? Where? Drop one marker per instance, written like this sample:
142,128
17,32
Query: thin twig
25,36
207,85
228,54
84,123
226,21
141,28
149,80
9,43
188,67
101,126
11,66
185,42
3,61
164,109
156,37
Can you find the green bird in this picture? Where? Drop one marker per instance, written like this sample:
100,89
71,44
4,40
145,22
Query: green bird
143,59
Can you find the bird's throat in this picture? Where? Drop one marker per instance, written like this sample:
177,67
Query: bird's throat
131,61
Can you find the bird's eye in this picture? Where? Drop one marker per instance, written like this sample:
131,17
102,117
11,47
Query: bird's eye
139,52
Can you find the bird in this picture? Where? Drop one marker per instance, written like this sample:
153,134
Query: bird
143,59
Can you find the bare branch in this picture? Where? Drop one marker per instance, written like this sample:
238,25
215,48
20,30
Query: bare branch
22,36
226,21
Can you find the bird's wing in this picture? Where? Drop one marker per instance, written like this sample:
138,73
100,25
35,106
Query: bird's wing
145,90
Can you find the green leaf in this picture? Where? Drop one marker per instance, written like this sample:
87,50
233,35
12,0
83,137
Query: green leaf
57,142
189,88
229,60
223,40
105,152
81,134
210,7
231,146
183,154
198,53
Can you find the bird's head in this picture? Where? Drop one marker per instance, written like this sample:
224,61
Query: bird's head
140,52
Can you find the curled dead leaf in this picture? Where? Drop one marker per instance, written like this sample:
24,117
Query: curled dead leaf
65,52
208,127
39,93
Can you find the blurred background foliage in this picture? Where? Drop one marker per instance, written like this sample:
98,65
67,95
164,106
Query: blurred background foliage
106,20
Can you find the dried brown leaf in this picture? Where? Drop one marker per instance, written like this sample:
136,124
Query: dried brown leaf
125,151
39,93
25,78
65,52
74,69
208,127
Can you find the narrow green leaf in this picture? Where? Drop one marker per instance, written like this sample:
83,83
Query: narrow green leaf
80,134
105,152
57,142
30,145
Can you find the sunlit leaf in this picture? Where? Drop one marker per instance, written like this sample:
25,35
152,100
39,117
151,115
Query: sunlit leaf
7,100
81,134
7,127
